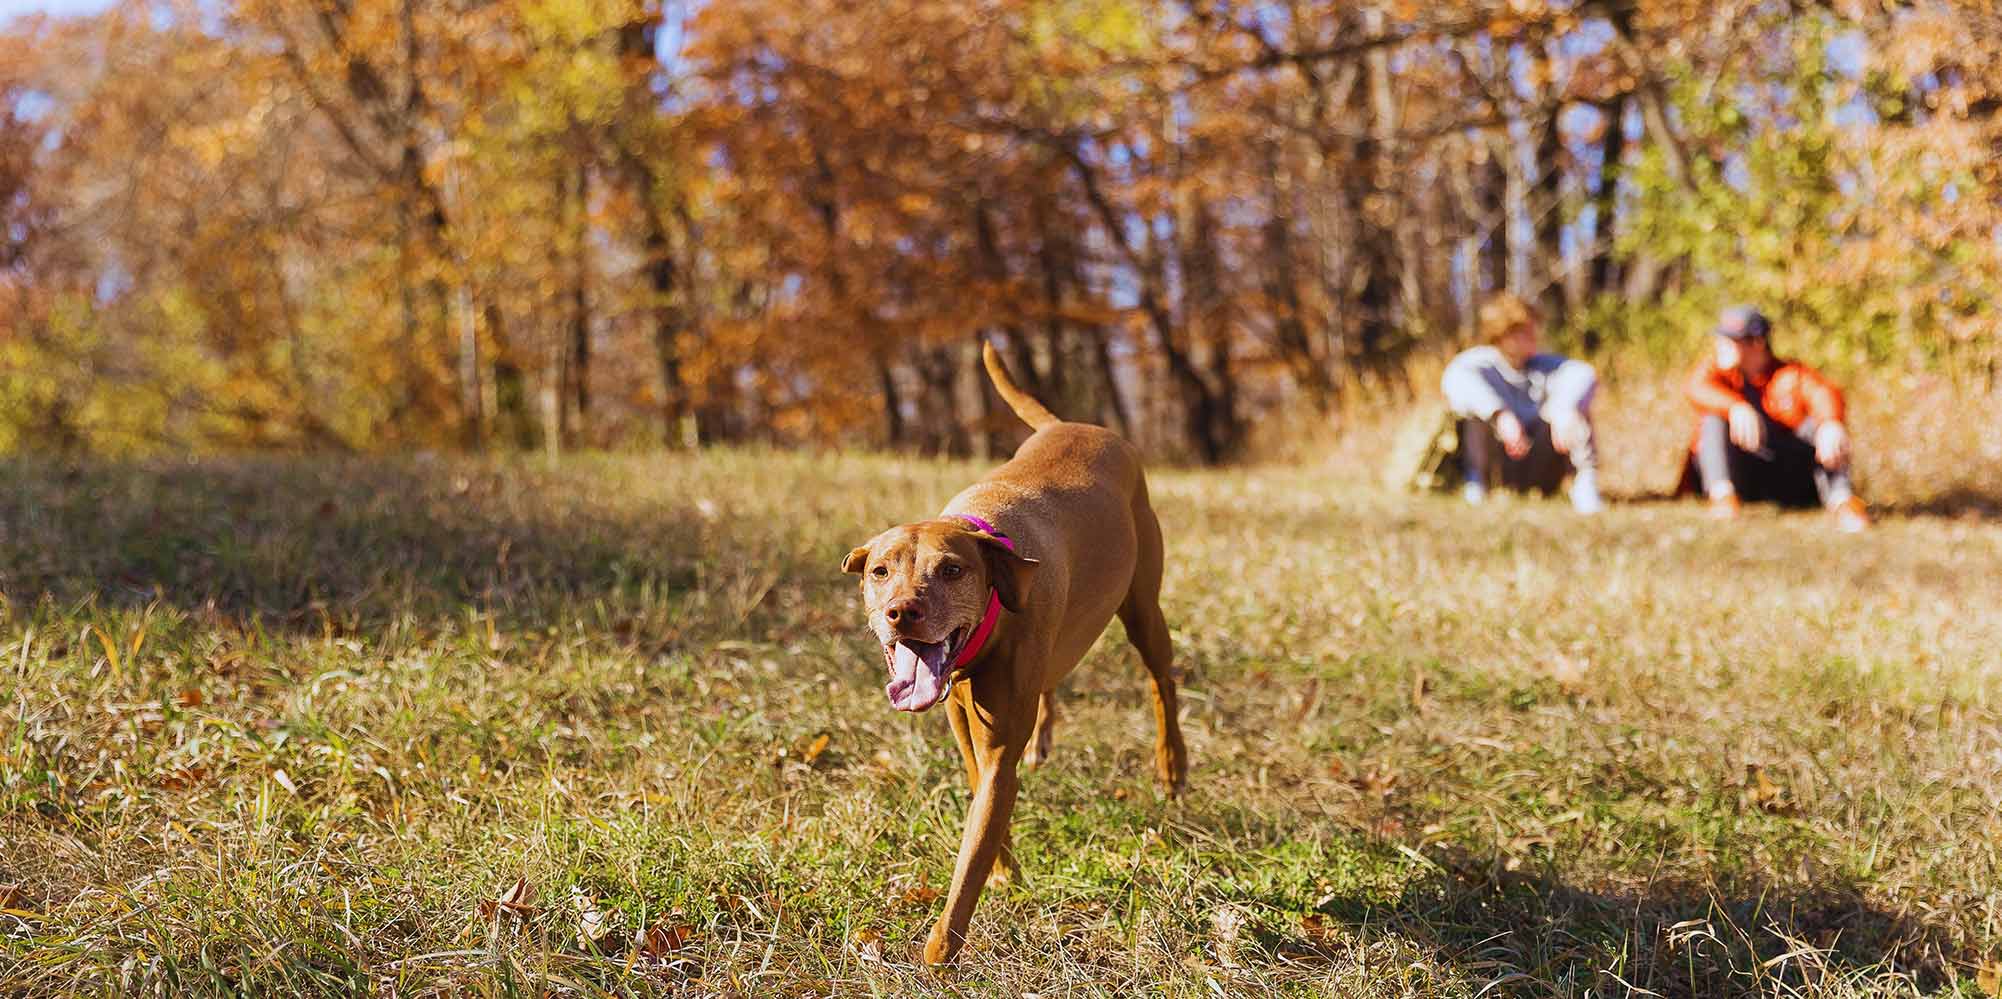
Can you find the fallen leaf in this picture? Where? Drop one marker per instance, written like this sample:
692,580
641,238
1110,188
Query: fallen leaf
868,944
1762,792
1420,684
1120,794
593,923
514,901
1316,927
665,937
1377,782
1226,923
184,778
921,895
817,747
1989,978
285,781
189,698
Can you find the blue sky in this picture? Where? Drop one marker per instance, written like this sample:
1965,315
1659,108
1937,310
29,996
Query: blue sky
10,9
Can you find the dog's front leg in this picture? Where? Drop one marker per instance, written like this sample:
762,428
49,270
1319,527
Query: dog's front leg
1004,869
997,740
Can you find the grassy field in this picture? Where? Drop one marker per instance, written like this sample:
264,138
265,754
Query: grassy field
429,727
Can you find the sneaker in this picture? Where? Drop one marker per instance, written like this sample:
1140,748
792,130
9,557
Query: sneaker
1585,494
1474,493
1851,517
1724,507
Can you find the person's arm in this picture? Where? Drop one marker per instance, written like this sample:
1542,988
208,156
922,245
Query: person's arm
1466,386
1824,399
1709,392
1829,410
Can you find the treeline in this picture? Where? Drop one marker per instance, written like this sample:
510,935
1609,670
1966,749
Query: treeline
375,224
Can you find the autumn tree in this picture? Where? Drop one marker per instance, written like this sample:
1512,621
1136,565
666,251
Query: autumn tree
408,223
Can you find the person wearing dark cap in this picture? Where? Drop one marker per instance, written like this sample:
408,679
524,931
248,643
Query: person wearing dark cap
1768,429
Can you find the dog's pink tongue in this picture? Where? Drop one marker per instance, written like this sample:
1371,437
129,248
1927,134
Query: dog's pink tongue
915,683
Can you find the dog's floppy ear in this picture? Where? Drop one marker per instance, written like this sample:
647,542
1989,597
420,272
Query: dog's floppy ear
856,560
1007,572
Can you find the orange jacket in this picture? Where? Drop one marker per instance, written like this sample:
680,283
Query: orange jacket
1792,394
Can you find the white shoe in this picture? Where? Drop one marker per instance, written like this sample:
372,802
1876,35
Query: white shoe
1474,493
1585,494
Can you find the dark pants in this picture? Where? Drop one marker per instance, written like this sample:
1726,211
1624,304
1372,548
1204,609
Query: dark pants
1484,460
1784,471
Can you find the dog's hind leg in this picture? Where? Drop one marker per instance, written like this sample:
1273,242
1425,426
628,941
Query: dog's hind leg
1046,731
1147,629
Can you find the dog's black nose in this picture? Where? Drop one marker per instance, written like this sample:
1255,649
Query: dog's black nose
905,612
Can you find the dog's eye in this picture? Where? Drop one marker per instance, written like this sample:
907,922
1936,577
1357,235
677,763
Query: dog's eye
880,572
951,571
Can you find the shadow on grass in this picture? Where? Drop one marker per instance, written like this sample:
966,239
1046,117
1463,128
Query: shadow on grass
1521,932
1534,934
1958,503
334,544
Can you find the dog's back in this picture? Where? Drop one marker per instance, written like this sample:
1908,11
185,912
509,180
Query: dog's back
1060,454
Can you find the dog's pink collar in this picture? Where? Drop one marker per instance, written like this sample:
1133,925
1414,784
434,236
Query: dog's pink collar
993,615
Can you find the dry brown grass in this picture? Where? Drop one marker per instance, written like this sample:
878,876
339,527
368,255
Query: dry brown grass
280,727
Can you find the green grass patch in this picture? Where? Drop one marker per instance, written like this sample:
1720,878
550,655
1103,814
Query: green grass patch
300,727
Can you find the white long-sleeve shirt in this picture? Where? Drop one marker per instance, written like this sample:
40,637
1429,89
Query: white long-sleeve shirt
1480,381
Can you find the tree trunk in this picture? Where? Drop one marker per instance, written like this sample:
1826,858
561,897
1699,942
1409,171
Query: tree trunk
1282,293
1374,281
512,422
580,303
1118,411
1211,401
552,401
635,43
988,410
1497,250
1548,206
1603,275
1386,125
1195,396
944,430
994,269
661,273
894,433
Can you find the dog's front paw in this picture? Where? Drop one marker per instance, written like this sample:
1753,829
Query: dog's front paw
941,950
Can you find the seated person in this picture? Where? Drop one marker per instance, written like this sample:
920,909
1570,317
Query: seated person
1768,429
1522,413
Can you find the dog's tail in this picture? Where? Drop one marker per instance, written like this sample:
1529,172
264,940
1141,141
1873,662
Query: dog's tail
1033,413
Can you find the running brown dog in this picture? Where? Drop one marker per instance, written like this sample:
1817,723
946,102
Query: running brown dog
1006,590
